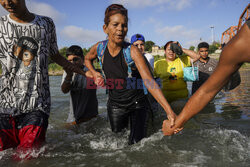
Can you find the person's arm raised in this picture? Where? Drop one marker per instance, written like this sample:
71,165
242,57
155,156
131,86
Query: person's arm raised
192,54
153,88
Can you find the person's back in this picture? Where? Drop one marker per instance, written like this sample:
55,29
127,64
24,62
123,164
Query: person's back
83,101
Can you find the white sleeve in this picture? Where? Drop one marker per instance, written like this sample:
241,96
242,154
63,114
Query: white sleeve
150,59
63,77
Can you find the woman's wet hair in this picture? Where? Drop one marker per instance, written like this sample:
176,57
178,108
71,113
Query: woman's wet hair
168,43
114,9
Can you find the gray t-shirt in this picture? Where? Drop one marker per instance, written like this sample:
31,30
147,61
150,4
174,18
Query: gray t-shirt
205,70
24,52
83,101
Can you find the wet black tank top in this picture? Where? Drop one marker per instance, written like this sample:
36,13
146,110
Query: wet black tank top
116,71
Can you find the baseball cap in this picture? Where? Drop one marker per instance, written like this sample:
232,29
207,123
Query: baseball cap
137,37
28,43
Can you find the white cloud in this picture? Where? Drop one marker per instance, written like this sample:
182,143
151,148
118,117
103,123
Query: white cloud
81,35
45,10
171,4
152,21
193,43
179,33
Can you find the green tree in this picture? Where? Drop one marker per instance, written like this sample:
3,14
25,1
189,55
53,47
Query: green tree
158,57
214,47
85,51
62,51
191,48
149,45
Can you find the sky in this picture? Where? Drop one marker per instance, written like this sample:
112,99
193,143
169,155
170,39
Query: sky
79,22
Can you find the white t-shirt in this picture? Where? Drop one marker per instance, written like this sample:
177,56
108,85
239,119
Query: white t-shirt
150,59
24,52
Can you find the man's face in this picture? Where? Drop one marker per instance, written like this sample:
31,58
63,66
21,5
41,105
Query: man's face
140,45
203,52
75,60
13,6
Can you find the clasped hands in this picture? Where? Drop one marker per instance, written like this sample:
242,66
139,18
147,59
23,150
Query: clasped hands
169,129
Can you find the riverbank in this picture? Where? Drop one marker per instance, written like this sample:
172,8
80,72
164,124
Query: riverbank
55,73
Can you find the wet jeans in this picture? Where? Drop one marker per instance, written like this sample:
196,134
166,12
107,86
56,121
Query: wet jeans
136,115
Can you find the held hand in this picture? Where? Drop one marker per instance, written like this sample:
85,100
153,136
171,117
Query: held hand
99,81
167,130
171,118
89,74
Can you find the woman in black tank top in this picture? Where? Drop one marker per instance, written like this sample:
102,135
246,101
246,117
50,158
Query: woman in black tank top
124,104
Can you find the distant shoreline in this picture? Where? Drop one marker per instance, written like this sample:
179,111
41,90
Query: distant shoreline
56,73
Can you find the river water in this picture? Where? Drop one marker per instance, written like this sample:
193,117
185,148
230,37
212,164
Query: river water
219,136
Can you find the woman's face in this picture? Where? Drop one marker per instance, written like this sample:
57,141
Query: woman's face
117,28
170,55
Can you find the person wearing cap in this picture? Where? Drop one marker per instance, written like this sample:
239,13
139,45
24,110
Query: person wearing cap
27,41
138,40
233,55
170,71
83,101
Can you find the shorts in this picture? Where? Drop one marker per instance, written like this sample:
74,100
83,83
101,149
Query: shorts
24,132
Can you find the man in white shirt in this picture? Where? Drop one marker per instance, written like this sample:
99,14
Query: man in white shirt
138,40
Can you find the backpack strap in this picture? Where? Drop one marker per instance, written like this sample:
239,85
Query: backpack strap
100,50
127,55
130,62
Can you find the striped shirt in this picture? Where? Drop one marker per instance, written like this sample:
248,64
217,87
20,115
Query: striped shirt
205,70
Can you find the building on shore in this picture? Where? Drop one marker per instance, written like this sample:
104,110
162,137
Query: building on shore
156,50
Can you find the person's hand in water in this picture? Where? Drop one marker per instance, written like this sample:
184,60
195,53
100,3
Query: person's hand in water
168,130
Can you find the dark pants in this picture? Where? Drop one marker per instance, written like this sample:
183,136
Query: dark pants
137,116
24,132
